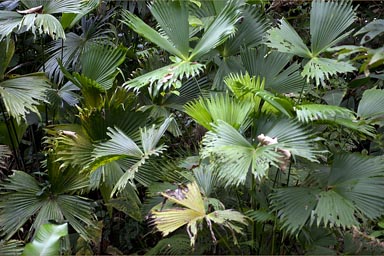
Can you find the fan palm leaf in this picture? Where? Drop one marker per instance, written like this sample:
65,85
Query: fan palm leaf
371,106
220,107
272,66
347,194
250,32
24,195
11,247
122,147
332,115
23,94
328,22
99,67
236,156
165,77
41,21
250,88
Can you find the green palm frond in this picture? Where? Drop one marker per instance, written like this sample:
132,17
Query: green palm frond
4,153
99,67
41,23
371,30
174,245
285,39
172,18
272,66
219,30
7,50
312,112
71,49
290,135
56,6
348,193
149,33
219,107
371,106
121,147
165,77
235,155
250,88
332,115
9,22
328,22
22,94
250,32
321,69
11,248
22,194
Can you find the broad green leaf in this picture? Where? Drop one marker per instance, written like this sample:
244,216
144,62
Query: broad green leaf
371,106
47,240
7,49
371,30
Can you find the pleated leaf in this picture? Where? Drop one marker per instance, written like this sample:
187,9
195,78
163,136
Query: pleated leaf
236,156
285,39
321,69
347,193
219,30
328,22
23,94
273,68
172,18
220,107
371,106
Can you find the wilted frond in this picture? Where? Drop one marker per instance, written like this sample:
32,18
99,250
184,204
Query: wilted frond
192,213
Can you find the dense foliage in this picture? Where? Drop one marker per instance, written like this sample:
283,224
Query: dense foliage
191,127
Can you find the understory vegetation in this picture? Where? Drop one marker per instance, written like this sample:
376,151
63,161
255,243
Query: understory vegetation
191,127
